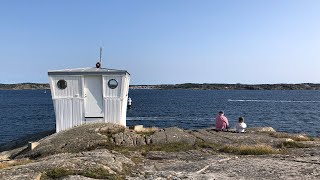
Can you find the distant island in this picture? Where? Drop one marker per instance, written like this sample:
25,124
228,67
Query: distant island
195,86
24,86
205,86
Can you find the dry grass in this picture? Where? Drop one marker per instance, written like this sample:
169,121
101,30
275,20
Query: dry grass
148,131
171,147
12,163
57,173
258,149
249,150
100,173
110,131
294,137
96,173
292,144
176,147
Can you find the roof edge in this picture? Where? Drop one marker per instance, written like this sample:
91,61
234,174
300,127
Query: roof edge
88,73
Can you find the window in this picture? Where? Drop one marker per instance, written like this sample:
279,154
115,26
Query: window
62,84
112,83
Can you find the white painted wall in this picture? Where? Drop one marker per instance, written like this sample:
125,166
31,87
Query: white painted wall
69,103
124,94
74,86
113,99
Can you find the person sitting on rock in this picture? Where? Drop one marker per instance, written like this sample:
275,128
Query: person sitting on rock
241,126
222,123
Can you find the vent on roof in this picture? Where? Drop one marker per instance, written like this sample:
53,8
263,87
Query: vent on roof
98,65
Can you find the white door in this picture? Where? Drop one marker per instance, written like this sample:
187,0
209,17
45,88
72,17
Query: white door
93,100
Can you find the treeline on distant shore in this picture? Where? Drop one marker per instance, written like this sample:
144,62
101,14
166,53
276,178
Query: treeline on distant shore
205,86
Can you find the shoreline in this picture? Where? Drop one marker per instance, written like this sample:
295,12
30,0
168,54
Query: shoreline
19,142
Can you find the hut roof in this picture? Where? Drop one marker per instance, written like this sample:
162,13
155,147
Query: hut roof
87,71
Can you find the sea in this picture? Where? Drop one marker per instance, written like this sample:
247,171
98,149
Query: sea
26,112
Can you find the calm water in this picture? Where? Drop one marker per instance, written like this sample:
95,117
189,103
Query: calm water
28,112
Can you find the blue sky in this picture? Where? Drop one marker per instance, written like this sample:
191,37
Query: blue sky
163,42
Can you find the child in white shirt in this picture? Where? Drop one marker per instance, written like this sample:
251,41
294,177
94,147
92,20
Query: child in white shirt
241,126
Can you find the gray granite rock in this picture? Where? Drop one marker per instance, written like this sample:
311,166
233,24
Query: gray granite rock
159,137
89,146
129,138
177,135
110,161
261,129
232,167
172,135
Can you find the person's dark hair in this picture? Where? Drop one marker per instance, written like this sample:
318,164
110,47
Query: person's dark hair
241,119
221,112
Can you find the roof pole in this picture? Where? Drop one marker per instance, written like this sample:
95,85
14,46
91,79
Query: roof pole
98,64
100,55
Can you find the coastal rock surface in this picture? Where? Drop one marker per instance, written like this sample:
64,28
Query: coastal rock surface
109,151
111,162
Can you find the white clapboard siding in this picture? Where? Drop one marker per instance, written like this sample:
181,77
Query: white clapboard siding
62,108
108,92
77,111
69,112
70,103
125,91
113,110
74,86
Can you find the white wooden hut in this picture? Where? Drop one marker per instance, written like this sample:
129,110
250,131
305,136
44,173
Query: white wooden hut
87,95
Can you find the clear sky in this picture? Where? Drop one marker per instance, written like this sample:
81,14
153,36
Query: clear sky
163,41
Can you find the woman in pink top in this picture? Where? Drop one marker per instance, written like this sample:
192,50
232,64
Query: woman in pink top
222,122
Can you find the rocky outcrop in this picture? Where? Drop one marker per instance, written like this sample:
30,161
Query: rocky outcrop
111,162
92,136
261,129
172,135
110,151
129,138
225,167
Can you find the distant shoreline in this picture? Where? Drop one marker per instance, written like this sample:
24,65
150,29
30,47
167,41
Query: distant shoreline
192,86
205,86
25,86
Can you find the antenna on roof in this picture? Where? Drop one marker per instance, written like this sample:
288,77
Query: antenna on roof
98,65
100,54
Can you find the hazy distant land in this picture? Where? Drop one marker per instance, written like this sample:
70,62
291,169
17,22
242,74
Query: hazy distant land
303,86
205,86
24,86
